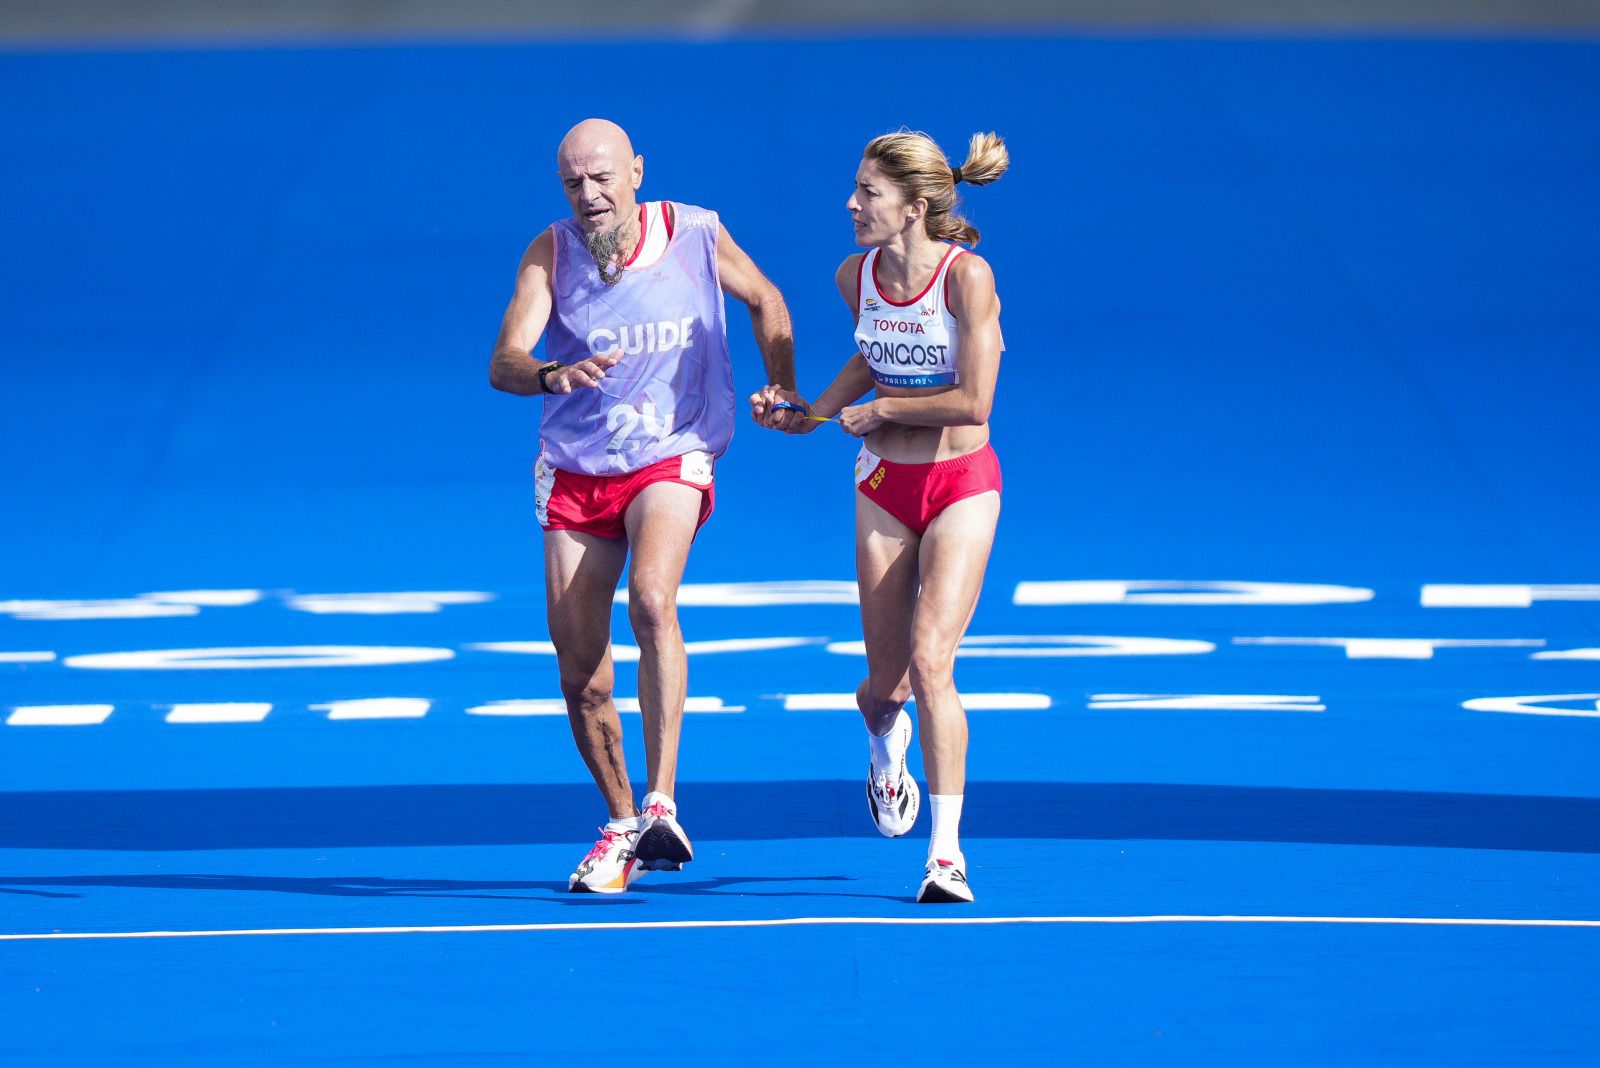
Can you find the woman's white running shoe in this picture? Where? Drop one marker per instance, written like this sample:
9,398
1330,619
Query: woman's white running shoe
892,795
945,882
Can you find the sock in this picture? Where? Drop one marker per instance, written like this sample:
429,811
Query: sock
886,756
657,797
622,823
946,841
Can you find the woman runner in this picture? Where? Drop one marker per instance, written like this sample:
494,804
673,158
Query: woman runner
928,483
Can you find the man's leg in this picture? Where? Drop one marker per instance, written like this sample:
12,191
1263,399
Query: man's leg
661,523
581,573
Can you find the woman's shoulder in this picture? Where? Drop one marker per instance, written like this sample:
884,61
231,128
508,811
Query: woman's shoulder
848,276
967,268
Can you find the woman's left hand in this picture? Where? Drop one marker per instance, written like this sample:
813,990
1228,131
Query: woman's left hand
859,420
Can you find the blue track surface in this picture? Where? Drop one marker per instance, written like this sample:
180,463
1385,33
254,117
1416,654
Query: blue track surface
1277,312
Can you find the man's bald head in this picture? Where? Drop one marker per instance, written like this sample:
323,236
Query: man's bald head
600,174
595,136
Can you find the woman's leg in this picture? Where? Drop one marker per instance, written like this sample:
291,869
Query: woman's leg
886,574
952,558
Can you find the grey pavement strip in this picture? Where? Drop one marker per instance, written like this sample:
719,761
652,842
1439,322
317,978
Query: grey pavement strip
311,21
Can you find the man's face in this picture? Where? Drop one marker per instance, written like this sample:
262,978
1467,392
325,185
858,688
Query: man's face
600,180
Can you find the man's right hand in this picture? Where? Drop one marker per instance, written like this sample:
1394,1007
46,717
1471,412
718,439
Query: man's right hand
585,374
781,409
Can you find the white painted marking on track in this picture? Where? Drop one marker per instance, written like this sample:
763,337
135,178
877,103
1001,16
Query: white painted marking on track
555,706
1535,704
820,702
759,594
384,604
1054,645
59,715
690,704
377,708
1397,648
125,608
1177,592
26,658
260,656
972,702
1568,654
538,706
533,648
816,921
627,654
220,712
1018,646
1447,595
1215,702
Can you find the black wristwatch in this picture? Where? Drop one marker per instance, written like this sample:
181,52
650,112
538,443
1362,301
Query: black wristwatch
544,375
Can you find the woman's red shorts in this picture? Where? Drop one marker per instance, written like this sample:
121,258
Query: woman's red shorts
916,493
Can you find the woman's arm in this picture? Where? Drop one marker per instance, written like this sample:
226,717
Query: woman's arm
977,309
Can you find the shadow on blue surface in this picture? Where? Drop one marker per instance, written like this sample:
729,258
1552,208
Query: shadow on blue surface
559,813
336,886
64,886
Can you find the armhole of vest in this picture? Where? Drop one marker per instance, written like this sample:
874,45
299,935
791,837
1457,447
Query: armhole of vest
669,216
555,262
644,235
713,239
945,285
861,278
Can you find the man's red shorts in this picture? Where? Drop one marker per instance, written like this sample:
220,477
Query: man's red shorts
596,504
916,493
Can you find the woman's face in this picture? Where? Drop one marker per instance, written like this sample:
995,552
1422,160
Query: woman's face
877,207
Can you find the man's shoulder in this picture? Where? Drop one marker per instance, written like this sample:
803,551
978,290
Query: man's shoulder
691,216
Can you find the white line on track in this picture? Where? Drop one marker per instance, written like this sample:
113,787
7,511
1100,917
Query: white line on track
814,921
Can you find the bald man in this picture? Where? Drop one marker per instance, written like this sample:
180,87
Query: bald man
639,404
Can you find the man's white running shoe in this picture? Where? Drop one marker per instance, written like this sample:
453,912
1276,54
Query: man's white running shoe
892,795
610,866
662,844
945,882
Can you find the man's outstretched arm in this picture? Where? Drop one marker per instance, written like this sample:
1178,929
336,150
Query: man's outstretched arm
769,318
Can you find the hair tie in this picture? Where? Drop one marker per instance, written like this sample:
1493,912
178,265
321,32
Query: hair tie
955,175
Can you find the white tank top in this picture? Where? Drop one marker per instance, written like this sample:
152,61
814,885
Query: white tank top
907,343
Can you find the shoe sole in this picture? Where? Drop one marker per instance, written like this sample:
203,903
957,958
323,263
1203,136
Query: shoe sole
934,894
627,878
912,792
913,805
660,843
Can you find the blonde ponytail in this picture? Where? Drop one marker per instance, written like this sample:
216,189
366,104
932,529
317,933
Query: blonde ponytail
917,166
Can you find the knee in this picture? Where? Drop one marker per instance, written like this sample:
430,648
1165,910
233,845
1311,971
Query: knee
932,668
652,609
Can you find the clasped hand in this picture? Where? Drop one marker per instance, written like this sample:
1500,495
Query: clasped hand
782,409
